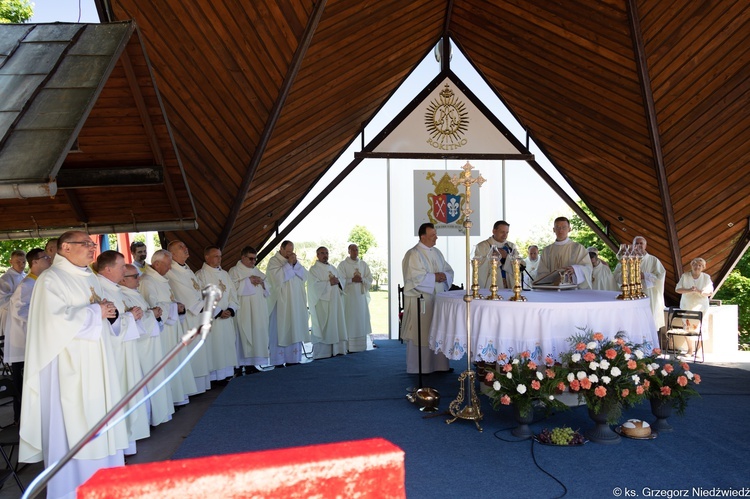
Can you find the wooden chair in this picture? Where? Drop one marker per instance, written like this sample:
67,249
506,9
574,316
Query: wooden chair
686,320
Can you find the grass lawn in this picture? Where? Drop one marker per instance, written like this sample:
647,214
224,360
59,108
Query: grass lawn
379,312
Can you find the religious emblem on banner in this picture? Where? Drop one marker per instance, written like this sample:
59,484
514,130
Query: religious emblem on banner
447,121
445,203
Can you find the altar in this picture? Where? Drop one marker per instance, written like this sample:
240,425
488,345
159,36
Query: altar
540,325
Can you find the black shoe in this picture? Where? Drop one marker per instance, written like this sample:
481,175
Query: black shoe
279,366
289,364
251,370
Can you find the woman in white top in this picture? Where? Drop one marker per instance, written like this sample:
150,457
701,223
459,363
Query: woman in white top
696,288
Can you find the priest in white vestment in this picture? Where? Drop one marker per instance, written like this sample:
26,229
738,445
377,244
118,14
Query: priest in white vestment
325,296
17,321
289,327
187,291
357,279
9,281
110,266
70,378
223,334
150,349
567,256
653,276
426,273
499,243
532,264
601,275
252,316
155,289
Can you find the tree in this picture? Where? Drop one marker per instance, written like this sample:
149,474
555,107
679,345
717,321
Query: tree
15,11
363,238
582,233
8,247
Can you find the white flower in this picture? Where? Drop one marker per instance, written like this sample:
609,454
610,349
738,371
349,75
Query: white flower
606,380
521,389
552,397
580,375
664,372
639,354
593,365
627,356
653,367
539,375
636,379
496,386
594,378
615,371
604,364
591,345
571,377
515,362
689,374
575,357
508,375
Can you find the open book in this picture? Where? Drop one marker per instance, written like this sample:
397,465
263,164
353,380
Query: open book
554,280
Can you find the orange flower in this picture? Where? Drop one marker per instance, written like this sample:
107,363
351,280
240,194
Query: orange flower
489,377
549,361
665,390
502,357
585,383
682,380
646,383
626,349
505,400
532,365
536,385
550,373
632,364
600,391
598,336
575,385
589,356
581,347
525,354
639,390
625,393
669,368
561,386
697,379
507,368
611,353
685,366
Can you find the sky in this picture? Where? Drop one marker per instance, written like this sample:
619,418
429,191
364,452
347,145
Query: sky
363,198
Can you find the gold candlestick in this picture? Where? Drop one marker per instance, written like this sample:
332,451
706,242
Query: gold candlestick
475,278
517,281
493,280
622,256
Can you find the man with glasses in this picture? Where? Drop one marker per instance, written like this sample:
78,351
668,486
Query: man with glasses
70,378
252,316
150,350
18,316
566,256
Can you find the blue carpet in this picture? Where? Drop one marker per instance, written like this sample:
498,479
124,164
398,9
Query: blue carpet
362,396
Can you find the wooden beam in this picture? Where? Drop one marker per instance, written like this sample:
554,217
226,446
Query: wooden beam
75,204
75,178
653,129
286,86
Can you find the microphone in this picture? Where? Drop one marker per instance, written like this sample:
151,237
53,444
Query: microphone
212,295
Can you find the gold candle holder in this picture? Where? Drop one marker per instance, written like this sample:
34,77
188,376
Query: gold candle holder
622,255
639,281
475,278
633,279
517,281
493,279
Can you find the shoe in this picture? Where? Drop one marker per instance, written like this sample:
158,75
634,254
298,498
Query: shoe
251,370
279,366
449,370
289,364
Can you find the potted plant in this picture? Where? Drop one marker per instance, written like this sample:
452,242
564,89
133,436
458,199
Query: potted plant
609,375
670,385
520,381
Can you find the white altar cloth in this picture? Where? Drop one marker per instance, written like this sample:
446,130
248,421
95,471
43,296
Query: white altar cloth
540,325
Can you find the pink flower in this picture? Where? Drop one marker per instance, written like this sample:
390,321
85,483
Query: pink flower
598,336
507,368
502,357
505,400
625,393
561,386
489,377
646,384
589,356
611,353
669,368
665,390
639,390
575,385
682,380
549,361
600,391
697,379
585,383
626,349
581,347
532,365
536,385
685,366
632,364
550,373
525,354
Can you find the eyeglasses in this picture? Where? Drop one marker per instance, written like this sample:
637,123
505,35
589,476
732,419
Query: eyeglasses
87,244
43,257
132,275
250,258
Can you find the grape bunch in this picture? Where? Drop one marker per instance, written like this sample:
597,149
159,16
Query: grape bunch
560,436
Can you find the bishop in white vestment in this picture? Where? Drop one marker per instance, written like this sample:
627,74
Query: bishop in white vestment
325,294
253,315
356,276
70,379
426,273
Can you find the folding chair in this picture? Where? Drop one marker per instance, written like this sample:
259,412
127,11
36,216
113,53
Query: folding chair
400,310
689,327
9,436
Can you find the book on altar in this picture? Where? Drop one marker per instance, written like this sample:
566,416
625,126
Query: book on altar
554,280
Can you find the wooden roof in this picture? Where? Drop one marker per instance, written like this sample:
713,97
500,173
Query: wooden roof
82,124
641,105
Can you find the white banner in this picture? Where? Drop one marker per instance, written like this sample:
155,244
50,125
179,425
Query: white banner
438,201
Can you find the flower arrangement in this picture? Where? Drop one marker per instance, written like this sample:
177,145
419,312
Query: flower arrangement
671,381
607,374
522,382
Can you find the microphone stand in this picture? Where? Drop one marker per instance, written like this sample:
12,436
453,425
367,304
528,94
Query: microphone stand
212,296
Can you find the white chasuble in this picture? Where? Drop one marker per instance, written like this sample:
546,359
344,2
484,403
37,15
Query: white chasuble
326,305
505,271
223,334
252,316
289,298
653,275
567,253
356,302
